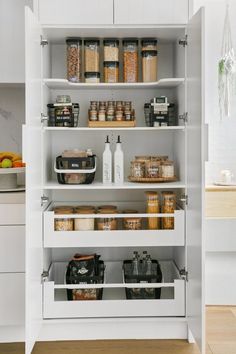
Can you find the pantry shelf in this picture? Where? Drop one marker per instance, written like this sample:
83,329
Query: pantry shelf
144,129
52,185
63,84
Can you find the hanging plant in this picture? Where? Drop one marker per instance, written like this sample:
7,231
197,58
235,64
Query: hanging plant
226,69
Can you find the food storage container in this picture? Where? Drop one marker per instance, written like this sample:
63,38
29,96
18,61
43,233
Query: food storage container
130,54
74,59
149,65
84,224
167,169
138,169
91,77
111,71
133,223
107,224
111,49
63,224
63,113
153,207
149,44
168,206
153,168
91,55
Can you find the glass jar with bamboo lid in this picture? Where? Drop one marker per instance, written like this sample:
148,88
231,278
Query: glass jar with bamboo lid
66,224
84,224
153,207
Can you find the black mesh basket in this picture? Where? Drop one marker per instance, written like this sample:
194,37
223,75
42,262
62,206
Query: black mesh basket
75,170
142,293
72,277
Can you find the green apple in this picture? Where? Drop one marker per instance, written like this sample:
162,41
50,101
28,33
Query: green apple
6,163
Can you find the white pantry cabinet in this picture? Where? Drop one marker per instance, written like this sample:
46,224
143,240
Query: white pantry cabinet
179,311
12,29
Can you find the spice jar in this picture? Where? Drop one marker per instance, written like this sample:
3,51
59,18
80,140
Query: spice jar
63,224
111,71
91,55
130,48
149,65
74,59
119,115
93,115
153,207
101,115
91,77
168,206
107,224
133,223
138,169
111,49
153,168
167,169
149,44
84,224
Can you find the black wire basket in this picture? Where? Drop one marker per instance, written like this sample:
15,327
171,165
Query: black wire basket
75,170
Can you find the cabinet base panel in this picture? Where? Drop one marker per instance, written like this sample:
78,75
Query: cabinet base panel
10,334
95,329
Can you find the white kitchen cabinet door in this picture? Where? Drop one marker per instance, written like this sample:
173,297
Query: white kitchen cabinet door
12,29
12,249
150,12
195,176
12,299
75,12
33,158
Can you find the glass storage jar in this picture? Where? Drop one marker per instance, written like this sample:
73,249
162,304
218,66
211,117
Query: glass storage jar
63,224
74,59
168,206
138,169
91,77
153,169
153,207
130,49
111,71
91,55
111,49
84,224
167,169
149,65
149,44
133,223
107,224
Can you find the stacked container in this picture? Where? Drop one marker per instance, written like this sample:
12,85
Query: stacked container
111,60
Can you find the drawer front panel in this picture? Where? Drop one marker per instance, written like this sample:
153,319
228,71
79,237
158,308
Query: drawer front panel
12,249
12,214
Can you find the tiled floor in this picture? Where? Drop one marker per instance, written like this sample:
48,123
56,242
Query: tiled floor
220,338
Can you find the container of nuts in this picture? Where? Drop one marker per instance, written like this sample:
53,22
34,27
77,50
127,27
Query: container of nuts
130,53
74,59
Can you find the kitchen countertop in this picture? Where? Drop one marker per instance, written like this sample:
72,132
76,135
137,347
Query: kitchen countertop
214,188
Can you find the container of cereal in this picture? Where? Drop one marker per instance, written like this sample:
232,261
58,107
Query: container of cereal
111,49
91,55
130,49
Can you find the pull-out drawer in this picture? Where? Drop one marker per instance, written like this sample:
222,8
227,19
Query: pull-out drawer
114,302
115,238
12,249
12,214
12,299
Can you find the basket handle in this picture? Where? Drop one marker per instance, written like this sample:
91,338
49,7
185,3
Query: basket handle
76,171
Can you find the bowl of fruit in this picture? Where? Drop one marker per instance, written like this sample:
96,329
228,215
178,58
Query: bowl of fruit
11,165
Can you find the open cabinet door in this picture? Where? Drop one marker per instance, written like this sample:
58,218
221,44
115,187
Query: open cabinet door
195,176
33,157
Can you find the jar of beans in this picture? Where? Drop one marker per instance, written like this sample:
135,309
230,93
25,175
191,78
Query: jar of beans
130,48
74,59
168,207
91,55
111,71
66,224
111,49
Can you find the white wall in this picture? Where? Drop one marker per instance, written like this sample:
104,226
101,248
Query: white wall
222,134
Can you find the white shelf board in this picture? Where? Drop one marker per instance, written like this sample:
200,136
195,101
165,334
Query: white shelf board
143,129
63,84
6,171
126,185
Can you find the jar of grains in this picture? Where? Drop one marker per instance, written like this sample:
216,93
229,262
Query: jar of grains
111,49
168,206
74,59
63,224
149,44
84,224
167,169
153,207
153,169
149,65
111,71
138,169
133,223
107,224
91,55
130,48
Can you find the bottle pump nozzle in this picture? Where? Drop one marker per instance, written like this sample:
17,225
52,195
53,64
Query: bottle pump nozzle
118,140
107,140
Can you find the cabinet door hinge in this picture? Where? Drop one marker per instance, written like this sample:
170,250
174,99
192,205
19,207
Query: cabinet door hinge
44,276
184,41
44,118
184,117
184,274
44,200
43,41
184,199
